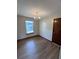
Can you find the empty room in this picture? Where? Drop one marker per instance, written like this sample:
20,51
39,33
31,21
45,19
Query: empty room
38,29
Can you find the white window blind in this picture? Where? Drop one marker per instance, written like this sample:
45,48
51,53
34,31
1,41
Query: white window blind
29,27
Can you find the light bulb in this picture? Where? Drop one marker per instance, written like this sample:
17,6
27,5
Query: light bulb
39,17
55,21
34,17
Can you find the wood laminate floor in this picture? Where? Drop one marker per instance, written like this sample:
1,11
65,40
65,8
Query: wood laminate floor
37,48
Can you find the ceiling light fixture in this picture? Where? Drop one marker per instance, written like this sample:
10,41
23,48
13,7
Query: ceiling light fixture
36,13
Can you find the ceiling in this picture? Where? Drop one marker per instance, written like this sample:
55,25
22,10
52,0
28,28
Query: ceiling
45,7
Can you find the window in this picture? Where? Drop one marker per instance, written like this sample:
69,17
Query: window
29,27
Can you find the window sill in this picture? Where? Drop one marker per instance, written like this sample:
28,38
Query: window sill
29,33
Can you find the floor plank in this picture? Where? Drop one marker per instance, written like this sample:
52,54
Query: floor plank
37,48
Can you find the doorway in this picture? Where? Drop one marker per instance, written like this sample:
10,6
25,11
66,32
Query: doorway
56,37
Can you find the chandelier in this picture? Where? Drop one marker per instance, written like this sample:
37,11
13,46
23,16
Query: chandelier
36,13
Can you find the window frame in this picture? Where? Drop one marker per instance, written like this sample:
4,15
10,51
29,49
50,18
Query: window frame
26,29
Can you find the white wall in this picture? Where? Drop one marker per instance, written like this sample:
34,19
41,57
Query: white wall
46,28
21,27
42,27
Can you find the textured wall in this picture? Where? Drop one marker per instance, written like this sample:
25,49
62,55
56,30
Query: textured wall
21,27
